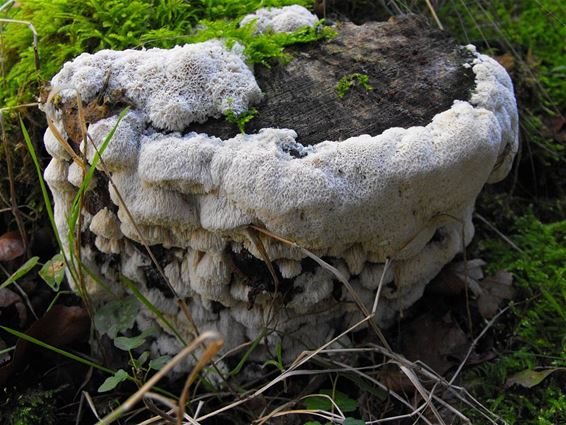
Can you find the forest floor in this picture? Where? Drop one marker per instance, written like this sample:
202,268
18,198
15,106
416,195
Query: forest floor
498,357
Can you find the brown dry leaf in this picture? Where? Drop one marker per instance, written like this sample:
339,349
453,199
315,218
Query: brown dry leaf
495,290
9,298
557,126
395,380
11,246
507,61
438,342
60,326
454,278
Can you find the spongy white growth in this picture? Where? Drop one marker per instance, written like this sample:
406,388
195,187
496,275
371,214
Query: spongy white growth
405,196
284,19
173,87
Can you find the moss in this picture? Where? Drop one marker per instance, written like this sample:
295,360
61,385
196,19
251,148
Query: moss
528,36
348,81
241,119
34,406
537,332
67,28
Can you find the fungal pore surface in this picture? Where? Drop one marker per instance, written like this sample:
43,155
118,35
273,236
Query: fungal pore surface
403,197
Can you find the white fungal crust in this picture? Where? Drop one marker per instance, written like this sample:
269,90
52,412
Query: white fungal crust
283,19
173,88
406,195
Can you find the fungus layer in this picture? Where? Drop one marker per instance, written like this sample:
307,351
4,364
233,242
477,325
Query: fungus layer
284,19
403,196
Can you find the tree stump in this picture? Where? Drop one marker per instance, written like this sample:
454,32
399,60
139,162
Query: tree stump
259,232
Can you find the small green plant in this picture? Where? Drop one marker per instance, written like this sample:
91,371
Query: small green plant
240,119
278,361
538,326
348,81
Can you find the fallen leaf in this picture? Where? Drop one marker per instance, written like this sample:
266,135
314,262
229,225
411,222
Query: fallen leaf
454,278
4,352
9,298
53,272
11,246
394,379
438,342
60,326
495,290
507,61
531,378
557,126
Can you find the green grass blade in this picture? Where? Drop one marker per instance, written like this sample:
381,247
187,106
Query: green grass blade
23,270
64,353
76,207
244,358
44,190
132,286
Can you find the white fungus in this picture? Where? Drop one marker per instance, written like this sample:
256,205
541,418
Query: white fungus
172,88
284,19
406,195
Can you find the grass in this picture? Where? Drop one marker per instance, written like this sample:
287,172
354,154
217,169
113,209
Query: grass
537,332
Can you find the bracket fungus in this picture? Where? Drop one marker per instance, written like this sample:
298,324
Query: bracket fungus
382,176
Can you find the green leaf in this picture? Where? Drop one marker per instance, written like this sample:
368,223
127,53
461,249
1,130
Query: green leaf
117,316
158,363
345,403
131,343
113,381
22,271
53,271
137,294
353,421
530,378
140,361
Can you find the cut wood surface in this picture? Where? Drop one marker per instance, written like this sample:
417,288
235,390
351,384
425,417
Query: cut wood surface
416,72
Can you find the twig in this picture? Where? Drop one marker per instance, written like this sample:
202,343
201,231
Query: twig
498,233
91,404
434,15
34,32
208,354
474,343
139,394
381,280
13,198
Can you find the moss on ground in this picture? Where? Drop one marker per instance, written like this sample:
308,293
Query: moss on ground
534,337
